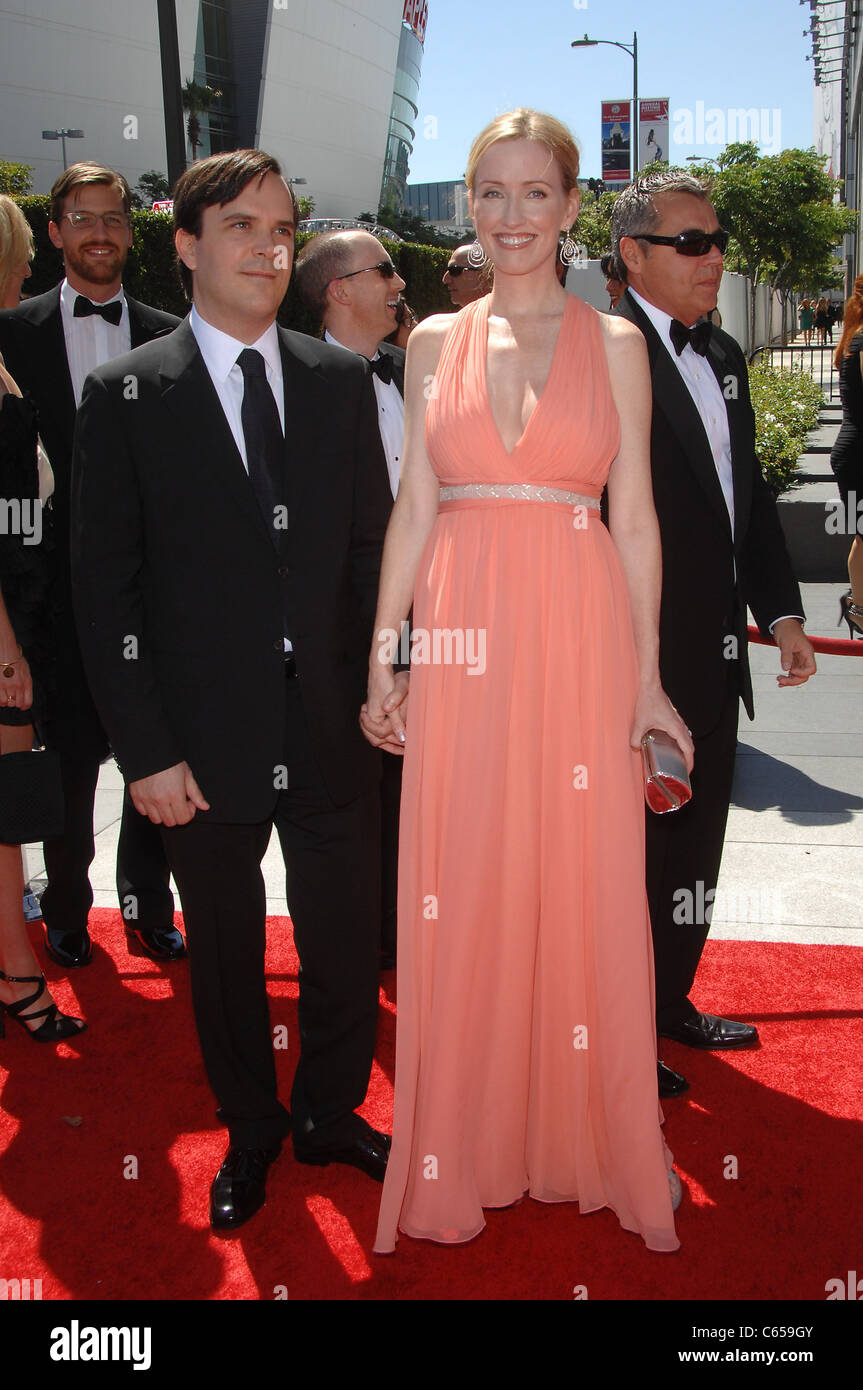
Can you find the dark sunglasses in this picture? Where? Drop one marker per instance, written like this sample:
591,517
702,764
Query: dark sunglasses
693,243
456,270
384,268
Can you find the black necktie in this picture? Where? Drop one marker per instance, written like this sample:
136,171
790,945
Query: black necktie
265,443
111,313
382,366
698,336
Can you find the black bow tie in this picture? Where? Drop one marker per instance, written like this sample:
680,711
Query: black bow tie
698,336
111,313
382,366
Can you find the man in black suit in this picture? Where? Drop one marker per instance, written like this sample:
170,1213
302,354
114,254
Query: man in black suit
229,512
50,343
722,549
348,280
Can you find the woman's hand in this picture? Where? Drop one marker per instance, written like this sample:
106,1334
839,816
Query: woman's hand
654,710
383,716
16,691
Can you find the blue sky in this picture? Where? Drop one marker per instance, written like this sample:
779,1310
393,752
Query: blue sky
487,56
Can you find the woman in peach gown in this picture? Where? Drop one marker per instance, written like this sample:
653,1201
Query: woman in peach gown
526,1048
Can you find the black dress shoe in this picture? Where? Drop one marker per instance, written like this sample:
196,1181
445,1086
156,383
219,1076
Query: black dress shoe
708,1031
160,943
368,1151
70,949
671,1083
239,1189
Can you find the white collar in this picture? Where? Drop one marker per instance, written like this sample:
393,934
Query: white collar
328,338
220,351
68,297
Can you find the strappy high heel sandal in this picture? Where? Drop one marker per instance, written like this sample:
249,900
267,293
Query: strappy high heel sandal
56,1026
848,611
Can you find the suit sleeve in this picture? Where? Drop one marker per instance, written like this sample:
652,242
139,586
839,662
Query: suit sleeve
767,576
107,547
372,506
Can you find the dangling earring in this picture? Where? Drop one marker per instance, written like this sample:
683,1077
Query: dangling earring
569,252
476,256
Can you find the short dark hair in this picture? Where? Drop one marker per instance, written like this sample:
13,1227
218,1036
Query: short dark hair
79,175
323,258
214,182
635,210
607,266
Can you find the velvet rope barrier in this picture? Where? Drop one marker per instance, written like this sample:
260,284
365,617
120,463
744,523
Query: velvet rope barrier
827,646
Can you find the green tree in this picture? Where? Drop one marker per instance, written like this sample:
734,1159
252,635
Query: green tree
306,207
197,99
593,227
152,187
783,216
15,178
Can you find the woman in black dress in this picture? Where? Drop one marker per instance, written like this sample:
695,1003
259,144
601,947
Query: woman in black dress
846,458
24,995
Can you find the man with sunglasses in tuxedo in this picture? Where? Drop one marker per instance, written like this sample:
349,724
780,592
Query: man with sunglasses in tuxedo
348,280
464,282
50,343
722,549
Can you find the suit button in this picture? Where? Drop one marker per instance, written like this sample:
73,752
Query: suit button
283,571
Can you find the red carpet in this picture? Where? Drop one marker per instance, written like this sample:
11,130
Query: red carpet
130,1097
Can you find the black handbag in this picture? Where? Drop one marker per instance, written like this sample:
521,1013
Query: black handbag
31,797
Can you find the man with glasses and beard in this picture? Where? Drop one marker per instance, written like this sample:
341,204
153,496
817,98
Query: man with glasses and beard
464,282
722,549
50,343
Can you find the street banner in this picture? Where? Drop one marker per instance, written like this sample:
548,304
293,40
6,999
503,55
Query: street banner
652,131
616,142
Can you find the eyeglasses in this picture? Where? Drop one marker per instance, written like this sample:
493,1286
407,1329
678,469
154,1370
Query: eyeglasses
691,243
384,268
84,221
456,270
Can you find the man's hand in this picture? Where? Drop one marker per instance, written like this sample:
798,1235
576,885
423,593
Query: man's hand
169,798
382,719
797,655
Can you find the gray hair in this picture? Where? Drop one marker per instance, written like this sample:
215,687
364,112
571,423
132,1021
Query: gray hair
635,211
327,256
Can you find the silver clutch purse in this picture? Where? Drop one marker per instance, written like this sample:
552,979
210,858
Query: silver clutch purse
666,781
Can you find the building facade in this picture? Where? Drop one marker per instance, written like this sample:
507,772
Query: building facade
317,83
836,27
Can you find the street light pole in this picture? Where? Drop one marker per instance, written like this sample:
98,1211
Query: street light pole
62,136
632,50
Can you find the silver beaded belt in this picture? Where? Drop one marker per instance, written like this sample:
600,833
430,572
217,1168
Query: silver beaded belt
520,492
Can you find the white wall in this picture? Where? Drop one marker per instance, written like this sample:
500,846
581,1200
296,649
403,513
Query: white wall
326,102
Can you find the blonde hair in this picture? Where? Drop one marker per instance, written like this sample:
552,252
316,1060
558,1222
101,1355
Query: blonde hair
16,241
525,124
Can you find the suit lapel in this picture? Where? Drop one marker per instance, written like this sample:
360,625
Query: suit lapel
302,379
189,394
53,360
398,360
672,399
734,393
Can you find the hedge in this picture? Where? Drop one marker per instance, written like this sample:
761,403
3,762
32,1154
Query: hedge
151,273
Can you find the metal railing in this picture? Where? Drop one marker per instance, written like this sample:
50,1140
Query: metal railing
816,359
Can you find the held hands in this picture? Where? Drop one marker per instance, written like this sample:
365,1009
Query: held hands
170,797
16,691
654,710
383,716
796,652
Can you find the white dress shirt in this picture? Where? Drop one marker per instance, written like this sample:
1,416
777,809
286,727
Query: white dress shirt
220,353
90,342
391,418
700,380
